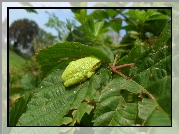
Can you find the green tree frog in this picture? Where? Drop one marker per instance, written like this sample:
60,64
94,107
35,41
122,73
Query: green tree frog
79,70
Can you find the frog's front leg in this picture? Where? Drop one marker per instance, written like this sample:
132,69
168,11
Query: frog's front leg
78,78
89,74
73,81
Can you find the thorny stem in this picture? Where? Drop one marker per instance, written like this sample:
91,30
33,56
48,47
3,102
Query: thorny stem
125,65
114,68
115,60
121,74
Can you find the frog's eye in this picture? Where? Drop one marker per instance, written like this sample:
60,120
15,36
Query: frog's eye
96,66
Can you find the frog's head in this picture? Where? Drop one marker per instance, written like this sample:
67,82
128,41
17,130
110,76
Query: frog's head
96,65
93,63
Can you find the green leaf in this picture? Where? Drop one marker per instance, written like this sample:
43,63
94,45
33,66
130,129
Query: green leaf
83,15
146,107
94,30
135,53
162,93
157,16
15,92
97,27
106,50
78,114
18,108
153,116
111,12
57,55
140,15
80,15
158,118
99,15
100,79
116,24
28,81
155,26
31,11
89,28
112,104
147,20
48,107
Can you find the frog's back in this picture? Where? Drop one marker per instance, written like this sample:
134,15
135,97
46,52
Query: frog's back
81,66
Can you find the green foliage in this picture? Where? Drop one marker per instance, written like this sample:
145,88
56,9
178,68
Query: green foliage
95,25
99,15
116,24
19,108
23,76
59,25
143,21
31,11
28,81
13,60
21,32
16,67
111,12
42,40
142,98
80,15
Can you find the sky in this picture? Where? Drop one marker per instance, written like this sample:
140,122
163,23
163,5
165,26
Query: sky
34,4
42,17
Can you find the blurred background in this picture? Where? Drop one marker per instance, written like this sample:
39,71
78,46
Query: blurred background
44,27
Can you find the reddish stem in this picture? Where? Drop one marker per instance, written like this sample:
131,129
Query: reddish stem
124,65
